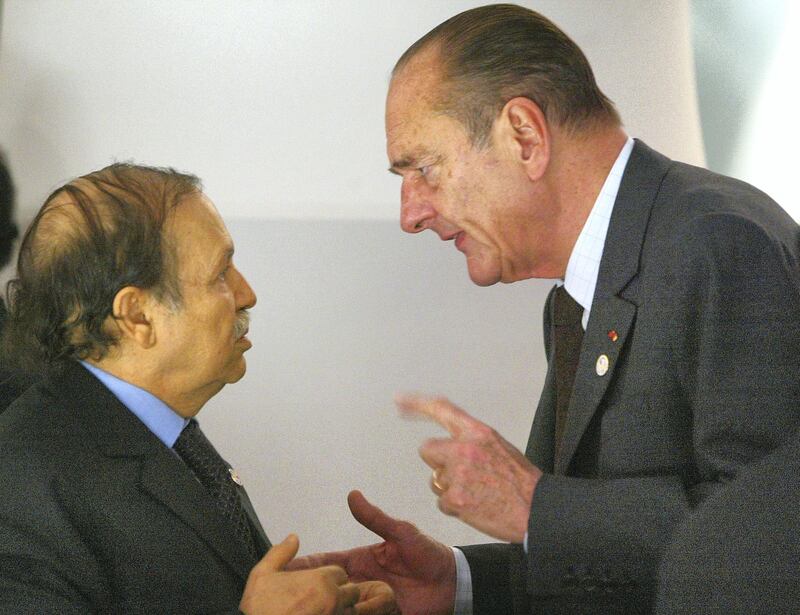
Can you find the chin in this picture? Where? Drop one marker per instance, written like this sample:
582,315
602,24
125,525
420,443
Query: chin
484,271
237,372
483,278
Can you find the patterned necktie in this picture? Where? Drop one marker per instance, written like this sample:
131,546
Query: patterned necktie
215,475
568,336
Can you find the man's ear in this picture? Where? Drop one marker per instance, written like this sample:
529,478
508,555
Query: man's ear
525,127
133,315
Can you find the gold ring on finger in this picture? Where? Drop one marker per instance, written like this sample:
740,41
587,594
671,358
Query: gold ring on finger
435,480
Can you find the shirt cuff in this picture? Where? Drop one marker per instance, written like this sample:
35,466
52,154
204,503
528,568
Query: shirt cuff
463,601
525,543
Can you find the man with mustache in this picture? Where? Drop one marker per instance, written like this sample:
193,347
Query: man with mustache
112,498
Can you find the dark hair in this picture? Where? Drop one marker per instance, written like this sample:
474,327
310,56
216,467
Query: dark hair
8,230
91,238
492,54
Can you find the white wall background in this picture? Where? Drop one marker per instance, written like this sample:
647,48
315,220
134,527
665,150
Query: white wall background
278,106
766,152
747,80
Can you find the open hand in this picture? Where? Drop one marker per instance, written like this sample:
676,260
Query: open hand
420,570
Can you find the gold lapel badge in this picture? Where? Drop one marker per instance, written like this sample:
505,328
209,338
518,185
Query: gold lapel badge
235,476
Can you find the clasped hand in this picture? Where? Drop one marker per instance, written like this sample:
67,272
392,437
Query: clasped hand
326,590
421,571
480,478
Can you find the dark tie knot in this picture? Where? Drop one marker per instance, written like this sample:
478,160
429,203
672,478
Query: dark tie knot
200,455
566,311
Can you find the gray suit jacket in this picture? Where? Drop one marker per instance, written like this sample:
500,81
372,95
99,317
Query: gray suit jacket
97,515
699,285
739,553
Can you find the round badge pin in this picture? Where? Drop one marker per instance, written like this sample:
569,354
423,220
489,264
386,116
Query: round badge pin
601,367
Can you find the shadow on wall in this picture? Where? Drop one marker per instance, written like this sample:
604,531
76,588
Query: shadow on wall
734,43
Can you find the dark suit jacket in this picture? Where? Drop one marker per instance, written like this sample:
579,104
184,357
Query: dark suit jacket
699,280
97,515
739,553
12,381
12,384
10,389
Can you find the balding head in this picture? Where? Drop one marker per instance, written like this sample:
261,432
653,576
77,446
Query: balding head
488,55
92,237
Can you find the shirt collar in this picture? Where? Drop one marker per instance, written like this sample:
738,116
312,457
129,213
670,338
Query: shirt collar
157,416
584,262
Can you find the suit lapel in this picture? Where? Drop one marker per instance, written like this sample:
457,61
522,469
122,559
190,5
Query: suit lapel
591,382
262,542
117,432
613,312
166,479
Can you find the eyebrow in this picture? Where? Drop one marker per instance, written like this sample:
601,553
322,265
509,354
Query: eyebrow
410,161
224,258
403,163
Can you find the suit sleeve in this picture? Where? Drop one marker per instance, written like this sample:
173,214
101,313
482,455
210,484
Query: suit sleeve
738,359
730,301
496,586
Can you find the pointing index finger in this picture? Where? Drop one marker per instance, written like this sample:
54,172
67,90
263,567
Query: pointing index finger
441,410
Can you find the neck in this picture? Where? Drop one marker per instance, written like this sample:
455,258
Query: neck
141,375
579,167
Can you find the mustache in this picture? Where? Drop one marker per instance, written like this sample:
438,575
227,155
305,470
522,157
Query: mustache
242,324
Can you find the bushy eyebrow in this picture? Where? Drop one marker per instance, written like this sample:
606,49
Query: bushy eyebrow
224,258
408,162
412,161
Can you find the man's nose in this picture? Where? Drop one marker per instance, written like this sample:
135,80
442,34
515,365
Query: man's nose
416,209
245,295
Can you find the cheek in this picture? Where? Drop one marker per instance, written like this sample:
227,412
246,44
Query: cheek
468,200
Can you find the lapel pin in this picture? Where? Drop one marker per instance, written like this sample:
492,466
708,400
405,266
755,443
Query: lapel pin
613,335
235,476
601,367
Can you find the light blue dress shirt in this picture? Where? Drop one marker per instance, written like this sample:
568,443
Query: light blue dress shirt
163,421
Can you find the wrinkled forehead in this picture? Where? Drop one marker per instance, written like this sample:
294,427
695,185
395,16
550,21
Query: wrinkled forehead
196,215
198,234
415,89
